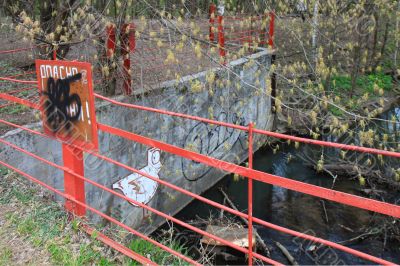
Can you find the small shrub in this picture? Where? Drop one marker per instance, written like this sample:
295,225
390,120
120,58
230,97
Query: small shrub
383,81
342,83
335,111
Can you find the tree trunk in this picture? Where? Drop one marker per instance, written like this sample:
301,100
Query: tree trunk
53,14
314,34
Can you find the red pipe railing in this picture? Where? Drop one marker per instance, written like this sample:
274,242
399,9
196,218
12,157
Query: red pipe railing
250,196
19,81
157,144
13,51
77,201
109,218
282,229
117,246
15,99
324,193
21,74
260,131
144,206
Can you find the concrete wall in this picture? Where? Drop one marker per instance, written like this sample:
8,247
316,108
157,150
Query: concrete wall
225,101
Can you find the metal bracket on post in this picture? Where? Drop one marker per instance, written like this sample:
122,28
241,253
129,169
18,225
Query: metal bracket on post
74,186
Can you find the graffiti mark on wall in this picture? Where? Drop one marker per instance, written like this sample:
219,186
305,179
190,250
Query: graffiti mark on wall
60,106
213,141
138,187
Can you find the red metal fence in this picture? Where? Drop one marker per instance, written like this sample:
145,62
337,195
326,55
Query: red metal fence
344,198
74,181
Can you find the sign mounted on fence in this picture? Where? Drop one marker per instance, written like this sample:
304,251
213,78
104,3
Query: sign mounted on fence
67,102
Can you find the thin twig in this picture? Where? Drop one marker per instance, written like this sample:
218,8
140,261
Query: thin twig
221,214
326,214
286,253
370,233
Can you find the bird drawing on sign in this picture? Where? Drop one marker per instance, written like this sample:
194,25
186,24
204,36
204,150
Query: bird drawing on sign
138,187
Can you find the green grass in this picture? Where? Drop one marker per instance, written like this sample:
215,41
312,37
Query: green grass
3,171
342,83
47,226
157,254
5,256
365,85
383,81
14,109
7,69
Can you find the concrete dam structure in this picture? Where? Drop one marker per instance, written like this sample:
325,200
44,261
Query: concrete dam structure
237,93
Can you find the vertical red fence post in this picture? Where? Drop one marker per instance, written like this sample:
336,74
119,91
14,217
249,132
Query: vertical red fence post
221,34
74,186
110,80
54,53
250,196
212,10
128,43
110,40
271,29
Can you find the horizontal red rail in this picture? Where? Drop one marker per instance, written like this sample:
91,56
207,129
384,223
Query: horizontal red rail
109,218
150,109
21,90
16,50
19,81
11,98
324,242
160,181
336,196
117,246
144,206
252,18
21,74
260,131
217,205
243,32
324,193
268,133
7,104
248,39
328,144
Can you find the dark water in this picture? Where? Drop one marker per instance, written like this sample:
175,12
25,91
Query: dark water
300,212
